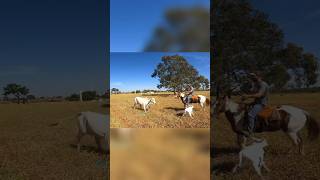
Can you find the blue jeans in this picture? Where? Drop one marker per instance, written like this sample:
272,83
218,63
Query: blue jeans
252,114
187,99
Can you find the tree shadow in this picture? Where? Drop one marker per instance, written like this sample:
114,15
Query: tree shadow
179,111
222,168
105,105
91,149
216,151
176,109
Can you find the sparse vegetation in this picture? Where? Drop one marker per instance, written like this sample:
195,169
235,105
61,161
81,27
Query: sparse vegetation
31,148
165,113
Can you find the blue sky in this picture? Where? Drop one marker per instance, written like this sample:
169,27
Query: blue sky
299,20
54,47
132,21
132,70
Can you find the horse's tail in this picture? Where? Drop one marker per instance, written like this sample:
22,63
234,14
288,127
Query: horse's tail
207,101
313,127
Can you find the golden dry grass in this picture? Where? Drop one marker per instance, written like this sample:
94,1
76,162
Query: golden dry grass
32,149
283,164
164,114
162,154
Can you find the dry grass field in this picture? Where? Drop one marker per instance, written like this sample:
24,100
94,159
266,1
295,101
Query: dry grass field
166,113
282,163
161,154
32,149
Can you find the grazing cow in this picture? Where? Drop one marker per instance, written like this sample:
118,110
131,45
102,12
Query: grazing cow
255,153
143,102
94,124
189,110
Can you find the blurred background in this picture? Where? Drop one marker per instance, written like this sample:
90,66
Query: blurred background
164,154
179,25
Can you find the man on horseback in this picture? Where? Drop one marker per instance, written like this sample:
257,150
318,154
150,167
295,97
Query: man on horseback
260,95
189,93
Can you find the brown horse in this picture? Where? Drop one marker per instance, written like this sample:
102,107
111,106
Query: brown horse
290,120
195,99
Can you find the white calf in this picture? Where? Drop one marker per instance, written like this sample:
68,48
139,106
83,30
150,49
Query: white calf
255,153
189,110
94,124
144,102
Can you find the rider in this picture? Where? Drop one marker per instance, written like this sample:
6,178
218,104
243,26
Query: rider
189,94
260,96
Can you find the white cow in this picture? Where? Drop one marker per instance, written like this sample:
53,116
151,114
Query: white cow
255,153
94,124
189,110
143,102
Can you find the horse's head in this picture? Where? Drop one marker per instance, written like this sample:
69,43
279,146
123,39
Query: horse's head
221,105
181,94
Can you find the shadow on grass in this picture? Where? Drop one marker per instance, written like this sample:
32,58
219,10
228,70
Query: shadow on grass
179,111
105,105
215,151
222,168
90,149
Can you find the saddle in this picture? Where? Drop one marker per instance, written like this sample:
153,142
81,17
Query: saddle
269,113
194,98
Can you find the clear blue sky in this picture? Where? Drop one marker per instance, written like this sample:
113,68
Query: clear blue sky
132,21
299,20
54,47
132,71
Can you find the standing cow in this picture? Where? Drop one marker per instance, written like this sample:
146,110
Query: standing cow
93,124
143,102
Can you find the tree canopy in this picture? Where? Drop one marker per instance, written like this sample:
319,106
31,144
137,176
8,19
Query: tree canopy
19,91
174,73
185,29
245,40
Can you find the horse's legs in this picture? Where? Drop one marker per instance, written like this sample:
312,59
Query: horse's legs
241,140
202,106
294,137
98,142
79,136
301,148
239,164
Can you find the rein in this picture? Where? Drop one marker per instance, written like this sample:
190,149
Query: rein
149,102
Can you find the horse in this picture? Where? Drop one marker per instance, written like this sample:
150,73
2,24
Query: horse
195,99
290,120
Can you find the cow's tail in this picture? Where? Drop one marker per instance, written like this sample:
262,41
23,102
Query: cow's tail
313,127
207,101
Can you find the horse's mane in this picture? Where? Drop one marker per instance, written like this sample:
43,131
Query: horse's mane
233,106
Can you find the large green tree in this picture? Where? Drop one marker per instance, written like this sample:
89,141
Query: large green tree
243,39
174,73
184,29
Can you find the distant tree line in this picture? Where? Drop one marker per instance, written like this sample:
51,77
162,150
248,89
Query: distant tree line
20,93
86,96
